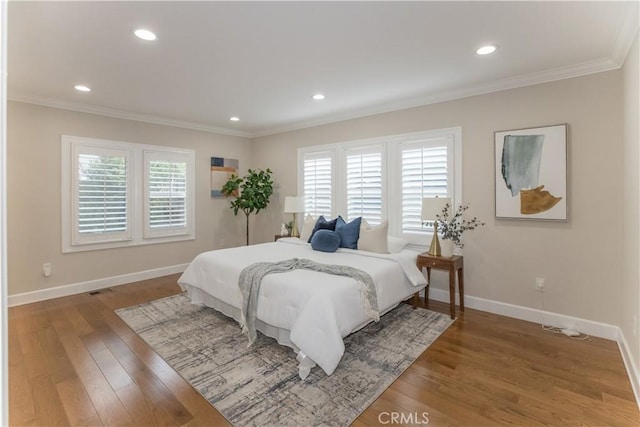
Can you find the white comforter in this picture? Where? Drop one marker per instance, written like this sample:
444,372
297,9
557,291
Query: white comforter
318,309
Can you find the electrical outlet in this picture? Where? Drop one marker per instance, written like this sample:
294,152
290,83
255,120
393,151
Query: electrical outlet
539,284
46,269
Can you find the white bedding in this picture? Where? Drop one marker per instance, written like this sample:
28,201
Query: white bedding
317,308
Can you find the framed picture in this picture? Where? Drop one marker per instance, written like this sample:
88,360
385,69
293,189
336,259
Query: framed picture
531,173
221,171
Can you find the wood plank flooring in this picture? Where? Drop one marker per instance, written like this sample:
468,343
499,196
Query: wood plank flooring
72,361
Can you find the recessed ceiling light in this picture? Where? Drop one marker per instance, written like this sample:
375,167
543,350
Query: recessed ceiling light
143,34
82,88
486,50
318,97
234,119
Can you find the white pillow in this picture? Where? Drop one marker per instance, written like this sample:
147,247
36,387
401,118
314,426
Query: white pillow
364,225
373,239
307,228
396,244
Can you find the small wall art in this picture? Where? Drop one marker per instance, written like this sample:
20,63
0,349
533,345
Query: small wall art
531,173
221,171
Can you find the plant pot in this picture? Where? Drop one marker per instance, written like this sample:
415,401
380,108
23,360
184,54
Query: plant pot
446,247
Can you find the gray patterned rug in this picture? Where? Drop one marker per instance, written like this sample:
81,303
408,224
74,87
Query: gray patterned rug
260,386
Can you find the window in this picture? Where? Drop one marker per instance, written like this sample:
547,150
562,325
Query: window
102,197
121,194
364,186
166,194
425,171
317,180
383,178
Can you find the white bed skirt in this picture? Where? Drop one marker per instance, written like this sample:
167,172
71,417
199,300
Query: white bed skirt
199,297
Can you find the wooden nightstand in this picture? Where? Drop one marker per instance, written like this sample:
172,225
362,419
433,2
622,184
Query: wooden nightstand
452,265
278,236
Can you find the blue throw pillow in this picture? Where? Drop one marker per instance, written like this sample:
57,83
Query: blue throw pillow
323,224
349,233
325,241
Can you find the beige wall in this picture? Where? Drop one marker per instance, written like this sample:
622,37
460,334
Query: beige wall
580,259
34,217
631,207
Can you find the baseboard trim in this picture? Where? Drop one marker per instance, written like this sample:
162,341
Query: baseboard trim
92,285
589,327
629,363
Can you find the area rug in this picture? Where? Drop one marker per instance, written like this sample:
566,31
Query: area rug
260,386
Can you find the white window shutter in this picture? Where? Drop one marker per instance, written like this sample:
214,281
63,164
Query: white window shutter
317,183
425,173
364,183
101,195
167,203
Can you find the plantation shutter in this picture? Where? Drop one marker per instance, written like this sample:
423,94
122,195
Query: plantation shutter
364,183
317,183
100,195
166,200
425,173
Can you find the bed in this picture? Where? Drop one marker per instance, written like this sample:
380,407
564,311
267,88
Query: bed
308,311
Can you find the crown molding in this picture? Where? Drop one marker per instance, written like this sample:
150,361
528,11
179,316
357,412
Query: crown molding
551,75
546,76
627,33
121,114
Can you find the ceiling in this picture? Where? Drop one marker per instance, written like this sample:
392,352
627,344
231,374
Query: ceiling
263,61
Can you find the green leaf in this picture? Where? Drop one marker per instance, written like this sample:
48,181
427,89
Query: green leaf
255,190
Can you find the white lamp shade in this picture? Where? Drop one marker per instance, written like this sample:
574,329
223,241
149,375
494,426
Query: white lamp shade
432,206
293,204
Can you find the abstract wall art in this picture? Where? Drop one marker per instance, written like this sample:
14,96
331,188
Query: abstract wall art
221,171
531,173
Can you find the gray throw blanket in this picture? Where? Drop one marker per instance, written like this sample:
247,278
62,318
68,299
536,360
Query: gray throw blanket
251,277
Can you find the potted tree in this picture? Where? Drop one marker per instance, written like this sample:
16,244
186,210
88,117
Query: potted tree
251,193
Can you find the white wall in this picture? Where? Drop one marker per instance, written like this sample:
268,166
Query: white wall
631,209
580,259
34,212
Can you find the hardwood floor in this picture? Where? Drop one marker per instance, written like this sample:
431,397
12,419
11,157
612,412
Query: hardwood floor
72,361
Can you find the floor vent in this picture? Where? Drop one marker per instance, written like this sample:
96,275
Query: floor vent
99,291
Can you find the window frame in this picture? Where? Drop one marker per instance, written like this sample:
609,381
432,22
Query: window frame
77,239
169,155
454,177
392,175
71,146
373,145
332,151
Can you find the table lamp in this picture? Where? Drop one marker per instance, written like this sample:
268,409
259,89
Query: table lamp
432,206
294,204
